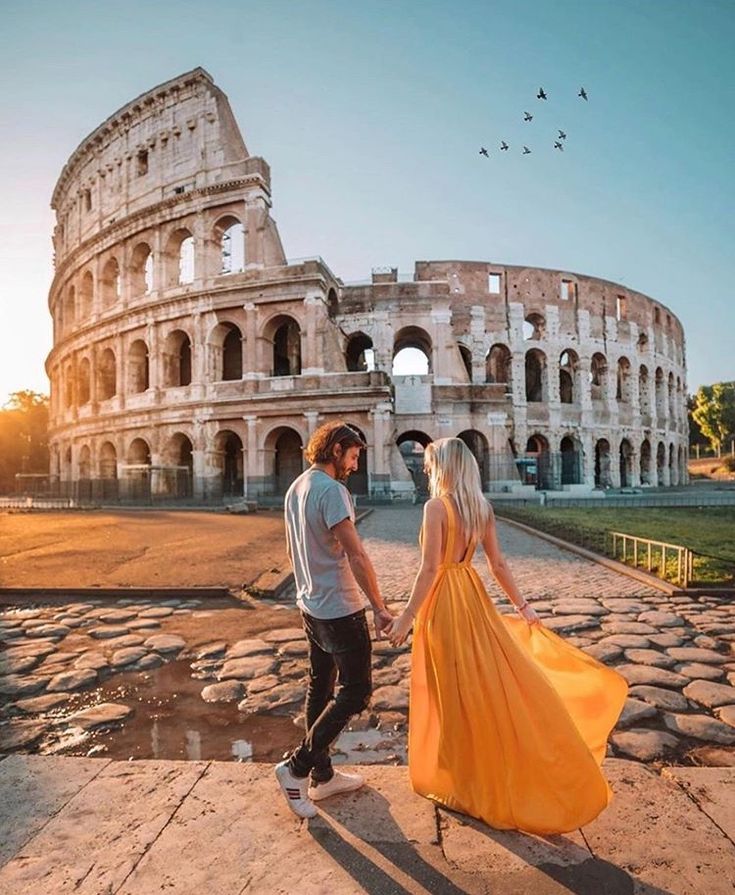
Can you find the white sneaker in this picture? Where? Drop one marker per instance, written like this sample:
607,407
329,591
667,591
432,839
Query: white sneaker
295,791
340,782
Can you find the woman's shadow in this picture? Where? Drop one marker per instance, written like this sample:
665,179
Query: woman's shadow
361,834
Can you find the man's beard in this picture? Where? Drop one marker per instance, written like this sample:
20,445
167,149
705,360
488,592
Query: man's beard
341,471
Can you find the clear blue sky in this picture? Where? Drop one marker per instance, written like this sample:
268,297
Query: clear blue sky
371,115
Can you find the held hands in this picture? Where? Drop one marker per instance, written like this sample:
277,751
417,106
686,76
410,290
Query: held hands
400,629
383,619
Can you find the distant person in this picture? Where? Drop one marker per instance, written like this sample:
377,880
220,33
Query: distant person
330,569
507,722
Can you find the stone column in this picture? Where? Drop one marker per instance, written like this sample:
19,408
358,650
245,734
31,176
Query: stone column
311,362
477,331
251,472
379,469
251,368
442,336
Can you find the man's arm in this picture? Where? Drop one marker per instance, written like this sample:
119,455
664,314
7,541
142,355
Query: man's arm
362,569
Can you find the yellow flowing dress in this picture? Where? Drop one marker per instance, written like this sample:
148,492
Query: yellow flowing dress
508,723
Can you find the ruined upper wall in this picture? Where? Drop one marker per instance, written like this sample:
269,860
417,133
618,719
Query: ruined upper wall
177,137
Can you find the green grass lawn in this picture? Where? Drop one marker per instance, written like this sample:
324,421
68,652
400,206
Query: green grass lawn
704,530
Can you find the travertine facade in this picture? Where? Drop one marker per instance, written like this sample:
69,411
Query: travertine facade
186,346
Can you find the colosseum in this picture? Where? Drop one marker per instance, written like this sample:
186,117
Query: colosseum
191,357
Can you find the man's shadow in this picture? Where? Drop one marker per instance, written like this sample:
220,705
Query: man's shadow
352,827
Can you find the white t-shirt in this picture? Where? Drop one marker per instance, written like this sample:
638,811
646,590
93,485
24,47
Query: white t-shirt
325,585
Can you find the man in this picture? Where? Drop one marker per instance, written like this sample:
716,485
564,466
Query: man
330,567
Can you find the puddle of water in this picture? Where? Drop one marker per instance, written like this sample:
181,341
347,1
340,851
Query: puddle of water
172,721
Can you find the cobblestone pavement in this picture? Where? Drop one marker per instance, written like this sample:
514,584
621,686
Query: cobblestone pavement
677,653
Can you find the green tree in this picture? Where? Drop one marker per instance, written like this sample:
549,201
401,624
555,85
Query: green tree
714,412
23,435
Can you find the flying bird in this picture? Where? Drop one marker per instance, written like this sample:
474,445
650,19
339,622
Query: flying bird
526,150
503,146
558,145
541,94
582,93
484,152
527,117
562,135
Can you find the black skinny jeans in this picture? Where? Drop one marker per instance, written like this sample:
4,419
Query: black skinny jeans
339,652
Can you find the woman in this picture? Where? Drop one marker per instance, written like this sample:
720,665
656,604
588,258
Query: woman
508,723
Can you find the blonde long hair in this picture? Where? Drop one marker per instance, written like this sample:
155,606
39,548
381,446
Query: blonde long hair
453,469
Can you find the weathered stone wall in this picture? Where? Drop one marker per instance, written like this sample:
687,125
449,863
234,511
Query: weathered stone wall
185,342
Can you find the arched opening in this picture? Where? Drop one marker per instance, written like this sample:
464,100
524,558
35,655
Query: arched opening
535,376
622,392
107,375
230,236
332,303
598,377
673,470
646,472
84,380
85,463
177,359
232,354
86,296
534,327
672,398
141,270
70,309
228,448
179,452
358,481
179,259
660,464
110,283
359,354
603,477
626,464
284,334
498,364
477,443
642,342
660,394
644,396
108,461
466,356
411,446
571,461
139,453
682,465
286,452
138,367
536,465
412,350
68,387
568,366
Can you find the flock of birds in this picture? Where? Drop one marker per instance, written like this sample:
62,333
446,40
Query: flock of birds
527,117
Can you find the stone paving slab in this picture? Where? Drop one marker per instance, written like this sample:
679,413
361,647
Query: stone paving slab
221,828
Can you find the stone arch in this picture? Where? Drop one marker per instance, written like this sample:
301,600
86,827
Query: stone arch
568,376
70,309
642,342
660,464
107,463
410,342
466,356
86,296
106,375
536,383
225,350
477,443
229,236
284,452
141,270
660,385
499,364
572,472
178,258
671,398
537,450
645,463
673,468
644,395
332,303
84,381
682,465
534,327
623,381
411,445
138,367
603,477
177,359
284,334
111,288
85,463
68,386
228,449
598,377
359,353
625,454
139,452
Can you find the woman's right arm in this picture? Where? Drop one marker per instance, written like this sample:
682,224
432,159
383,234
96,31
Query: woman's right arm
501,571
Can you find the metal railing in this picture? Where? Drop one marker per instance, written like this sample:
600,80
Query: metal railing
636,551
